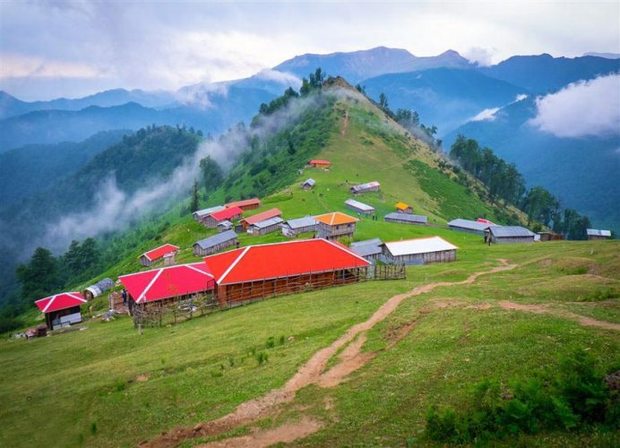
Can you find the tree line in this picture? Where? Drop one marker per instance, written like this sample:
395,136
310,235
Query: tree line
505,182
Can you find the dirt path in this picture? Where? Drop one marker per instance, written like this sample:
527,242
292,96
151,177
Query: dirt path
311,372
345,123
544,309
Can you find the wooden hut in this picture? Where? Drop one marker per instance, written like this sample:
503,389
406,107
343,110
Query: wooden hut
420,251
308,184
550,236
335,225
267,226
294,227
509,234
198,215
406,218
596,234
266,270
62,309
268,214
370,250
227,214
359,207
224,226
365,188
402,207
215,243
153,255
245,204
319,163
466,225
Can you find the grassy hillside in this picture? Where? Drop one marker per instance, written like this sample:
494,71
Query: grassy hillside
110,386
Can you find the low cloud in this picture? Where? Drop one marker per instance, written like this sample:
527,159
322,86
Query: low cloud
284,78
585,108
481,56
486,115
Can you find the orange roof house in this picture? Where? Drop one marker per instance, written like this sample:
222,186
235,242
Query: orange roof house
335,225
262,216
245,204
403,207
319,163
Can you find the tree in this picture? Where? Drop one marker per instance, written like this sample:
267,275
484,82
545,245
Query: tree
383,101
212,173
39,278
195,204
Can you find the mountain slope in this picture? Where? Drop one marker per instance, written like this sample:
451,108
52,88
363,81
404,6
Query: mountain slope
443,97
581,172
358,65
544,73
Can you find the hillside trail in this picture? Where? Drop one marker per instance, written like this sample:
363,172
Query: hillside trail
312,372
345,123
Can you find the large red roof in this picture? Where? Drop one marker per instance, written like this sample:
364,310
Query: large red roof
262,216
60,301
169,281
227,213
158,252
279,260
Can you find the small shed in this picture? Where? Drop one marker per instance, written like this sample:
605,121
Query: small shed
509,234
420,251
268,214
335,225
359,207
370,250
406,218
402,207
245,204
62,309
224,225
215,243
153,255
365,188
198,215
550,236
294,227
596,234
227,214
319,163
308,184
266,226
466,225
98,288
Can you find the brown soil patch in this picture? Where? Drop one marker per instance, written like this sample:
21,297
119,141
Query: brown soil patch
311,372
142,378
538,309
286,433
345,123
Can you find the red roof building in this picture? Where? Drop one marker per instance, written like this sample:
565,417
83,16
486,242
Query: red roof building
320,163
168,282
266,270
61,309
245,204
148,258
262,216
227,214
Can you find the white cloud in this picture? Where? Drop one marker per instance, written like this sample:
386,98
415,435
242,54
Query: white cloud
285,78
486,115
581,109
17,66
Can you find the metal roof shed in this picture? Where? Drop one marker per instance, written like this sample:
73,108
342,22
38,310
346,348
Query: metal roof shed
466,225
406,218
359,207
510,234
420,251
215,243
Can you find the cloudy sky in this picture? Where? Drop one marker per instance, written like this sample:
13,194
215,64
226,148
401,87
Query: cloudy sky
54,48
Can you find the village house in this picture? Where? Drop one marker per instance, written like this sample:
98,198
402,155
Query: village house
227,214
266,226
370,250
62,309
509,234
245,204
199,214
335,225
294,227
319,163
308,184
215,243
596,234
402,207
150,257
365,188
224,226
549,236
266,270
406,218
466,225
262,216
359,207
420,251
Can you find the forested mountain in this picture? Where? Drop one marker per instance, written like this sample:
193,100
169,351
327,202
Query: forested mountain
30,169
444,97
544,73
